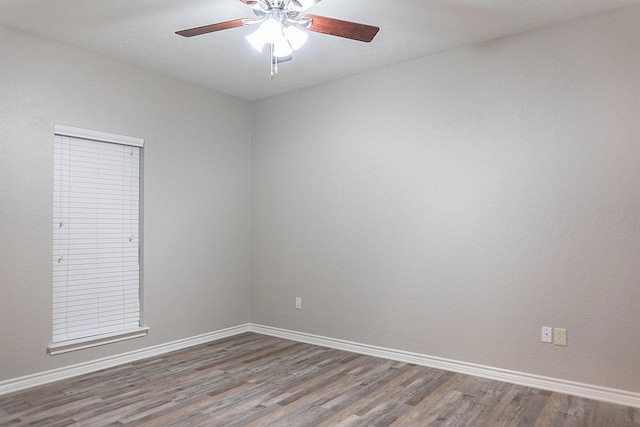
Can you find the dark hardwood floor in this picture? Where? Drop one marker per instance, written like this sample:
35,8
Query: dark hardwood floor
256,380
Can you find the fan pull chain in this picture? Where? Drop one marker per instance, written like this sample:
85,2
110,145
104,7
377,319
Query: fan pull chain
274,61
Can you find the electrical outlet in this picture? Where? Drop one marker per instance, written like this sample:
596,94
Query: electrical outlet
547,334
299,303
560,336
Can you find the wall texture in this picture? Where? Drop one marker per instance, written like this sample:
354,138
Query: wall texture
455,204
196,194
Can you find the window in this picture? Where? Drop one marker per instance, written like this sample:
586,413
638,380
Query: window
96,230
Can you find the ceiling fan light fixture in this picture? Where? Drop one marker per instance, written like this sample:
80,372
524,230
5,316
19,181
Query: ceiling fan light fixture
271,30
256,40
297,38
282,48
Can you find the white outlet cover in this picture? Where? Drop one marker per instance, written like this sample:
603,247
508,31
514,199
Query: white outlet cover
299,303
547,334
560,336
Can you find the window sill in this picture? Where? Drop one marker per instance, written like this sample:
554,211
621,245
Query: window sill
82,343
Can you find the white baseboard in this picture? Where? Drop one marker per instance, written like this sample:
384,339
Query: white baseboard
40,378
620,397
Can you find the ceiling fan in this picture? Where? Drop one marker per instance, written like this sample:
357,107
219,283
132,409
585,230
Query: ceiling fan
281,26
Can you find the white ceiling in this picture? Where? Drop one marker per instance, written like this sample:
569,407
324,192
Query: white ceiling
142,32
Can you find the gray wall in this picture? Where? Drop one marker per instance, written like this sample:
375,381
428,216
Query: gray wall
455,204
196,194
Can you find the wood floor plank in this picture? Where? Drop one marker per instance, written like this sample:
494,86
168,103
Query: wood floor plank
384,414
432,414
350,421
365,390
428,401
550,411
256,380
357,405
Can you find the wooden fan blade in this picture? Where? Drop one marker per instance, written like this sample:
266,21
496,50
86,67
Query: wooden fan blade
210,28
346,29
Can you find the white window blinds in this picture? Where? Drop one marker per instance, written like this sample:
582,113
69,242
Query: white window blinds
95,237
